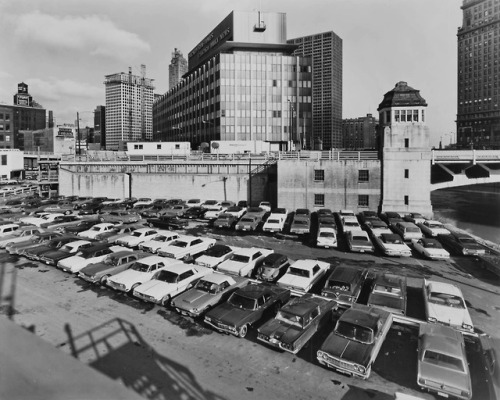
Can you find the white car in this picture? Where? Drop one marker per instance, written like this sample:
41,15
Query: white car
194,202
186,247
40,219
90,255
169,282
236,211
213,213
137,237
96,230
430,248
143,201
215,255
350,223
377,227
19,235
445,304
326,237
346,213
392,245
302,275
359,242
265,205
161,240
211,205
139,272
244,261
275,223
433,228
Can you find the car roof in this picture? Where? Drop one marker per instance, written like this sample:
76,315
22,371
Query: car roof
442,339
217,277
306,264
442,287
254,291
363,316
245,251
300,306
273,257
345,273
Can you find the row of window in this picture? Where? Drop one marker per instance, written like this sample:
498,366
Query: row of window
363,175
6,117
363,200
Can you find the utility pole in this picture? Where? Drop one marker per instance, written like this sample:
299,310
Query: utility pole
78,133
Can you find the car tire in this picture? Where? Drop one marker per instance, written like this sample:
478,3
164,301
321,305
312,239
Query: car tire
186,258
104,280
243,331
131,291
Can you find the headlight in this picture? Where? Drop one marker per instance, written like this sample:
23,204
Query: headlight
468,327
421,381
360,369
432,320
288,346
465,252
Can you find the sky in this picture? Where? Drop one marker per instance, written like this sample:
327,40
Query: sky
63,48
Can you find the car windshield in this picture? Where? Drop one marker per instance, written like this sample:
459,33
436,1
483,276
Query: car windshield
167,276
467,240
298,272
237,300
446,299
290,318
443,360
66,248
354,332
206,286
392,240
435,225
240,258
137,234
112,261
300,222
350,223
246,220
217,251
326,234
160,238
225,216
138,266
337,285
180,243
387,290
360,238
273,221
412,230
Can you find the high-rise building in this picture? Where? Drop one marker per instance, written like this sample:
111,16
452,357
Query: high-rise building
100,126
129,109
244,84
359,133
325,49
478,103
177,68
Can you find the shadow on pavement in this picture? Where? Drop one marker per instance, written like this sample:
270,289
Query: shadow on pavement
117,350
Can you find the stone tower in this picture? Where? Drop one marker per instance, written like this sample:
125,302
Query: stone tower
405,149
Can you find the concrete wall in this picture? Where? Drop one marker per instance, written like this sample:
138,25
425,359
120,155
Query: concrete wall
341,186
14,162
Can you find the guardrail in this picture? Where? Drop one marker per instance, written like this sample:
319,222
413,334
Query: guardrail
461,156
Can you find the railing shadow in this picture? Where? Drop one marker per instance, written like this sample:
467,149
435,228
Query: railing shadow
117,349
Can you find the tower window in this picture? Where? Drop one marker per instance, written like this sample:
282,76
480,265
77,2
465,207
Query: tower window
407,142
415,115
403,115
407,200
408,116
396,116
319,175
363,175
407,173
363,200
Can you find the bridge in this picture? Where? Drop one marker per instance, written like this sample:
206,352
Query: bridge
451,168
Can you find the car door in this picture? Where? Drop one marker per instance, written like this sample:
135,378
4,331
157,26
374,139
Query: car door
185,282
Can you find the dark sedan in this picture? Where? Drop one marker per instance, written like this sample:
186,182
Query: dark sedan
195,213
169,223
34,253
81,226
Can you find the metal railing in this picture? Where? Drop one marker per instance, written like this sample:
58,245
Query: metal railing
458,156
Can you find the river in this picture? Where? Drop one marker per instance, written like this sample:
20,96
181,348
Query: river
474,209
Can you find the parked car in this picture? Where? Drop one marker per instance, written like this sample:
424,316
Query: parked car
433,228
265,205
52,257
245,307
208,292
326,237
119,232
442,362
445,304
430,248
166,222
195,213
416,218
39,220
37,239
137,237
407,230
35,252
273,266
490,350
91,255
462,244
327,221
301,223
186,247
344,284
211,205
387,216
274,223
97,229
349,223
237,211
120,217
213,256
139,272
161,240
117,262
23,233
244,261
359,242
248,223
392,245
194,202
89,208
355,342
296,322
12,206
302,275
225,220
177,210
367,215
346,213
388,292
170,281
376,227
143,201
61,221
81,226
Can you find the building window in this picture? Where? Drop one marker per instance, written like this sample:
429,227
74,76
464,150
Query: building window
319,200
407,173
177,146
363,175
423,119
388,117
396,116
363,200
408,116
407,200
319,175
4,159
158,147
1,138
403,115
7,138
415,115
138,146
407,142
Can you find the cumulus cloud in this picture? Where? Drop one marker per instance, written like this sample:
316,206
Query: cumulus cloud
93,34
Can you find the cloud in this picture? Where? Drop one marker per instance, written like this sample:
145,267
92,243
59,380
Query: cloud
56,89
92,34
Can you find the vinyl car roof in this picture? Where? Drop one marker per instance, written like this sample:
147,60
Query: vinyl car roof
442,339
367,317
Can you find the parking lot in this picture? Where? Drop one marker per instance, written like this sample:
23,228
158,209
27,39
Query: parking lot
161,354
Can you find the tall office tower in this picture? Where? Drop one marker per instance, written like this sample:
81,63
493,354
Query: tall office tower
478,103
244,84
129,109
359,133
100,126
325,49
177,68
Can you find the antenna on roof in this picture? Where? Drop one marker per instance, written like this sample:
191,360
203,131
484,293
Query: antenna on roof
260,26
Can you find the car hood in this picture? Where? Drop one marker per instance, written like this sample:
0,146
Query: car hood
231,267
435,252
193,298
157,289
207,261
294,281
56,254
445,376
131,275
286,333
395,246
74,263
448,315
349,350
229,315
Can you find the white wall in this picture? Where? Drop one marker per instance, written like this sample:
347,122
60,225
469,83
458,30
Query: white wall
14,162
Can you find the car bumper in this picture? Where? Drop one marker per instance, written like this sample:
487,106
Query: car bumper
344,367
277,344
222,327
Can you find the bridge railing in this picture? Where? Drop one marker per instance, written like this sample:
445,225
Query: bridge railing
473,156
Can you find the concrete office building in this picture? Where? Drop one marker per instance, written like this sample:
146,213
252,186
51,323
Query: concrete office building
325,49
244,83
359,133
478,103
177,68
129,105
